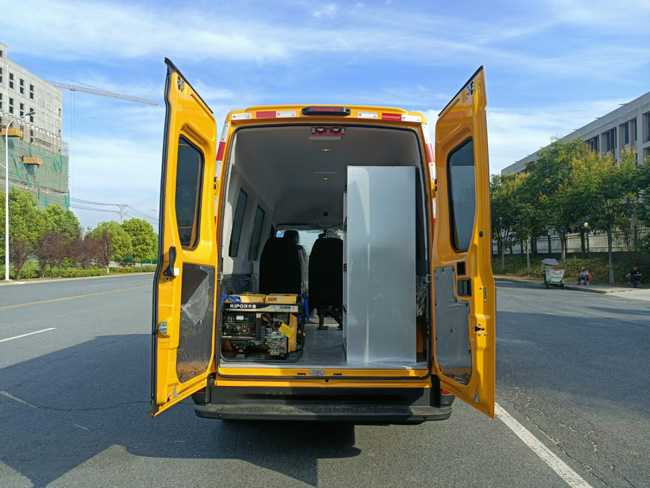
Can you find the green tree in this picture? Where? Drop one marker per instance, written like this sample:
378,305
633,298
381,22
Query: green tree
116,241
502,212
529,218
643,203
64,222
143,239
550,180
608,190
25,226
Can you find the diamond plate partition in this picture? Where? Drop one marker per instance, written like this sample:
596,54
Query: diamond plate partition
381,274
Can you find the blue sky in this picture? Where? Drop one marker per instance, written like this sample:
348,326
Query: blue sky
551,67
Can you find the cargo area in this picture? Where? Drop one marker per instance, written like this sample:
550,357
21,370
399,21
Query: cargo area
324,245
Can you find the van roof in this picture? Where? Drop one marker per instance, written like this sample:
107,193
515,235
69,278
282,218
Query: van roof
333,113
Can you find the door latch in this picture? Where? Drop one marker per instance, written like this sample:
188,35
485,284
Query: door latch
171,270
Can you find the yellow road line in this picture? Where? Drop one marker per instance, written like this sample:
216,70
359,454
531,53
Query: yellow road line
7,307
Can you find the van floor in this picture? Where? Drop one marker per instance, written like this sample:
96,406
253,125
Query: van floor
323,349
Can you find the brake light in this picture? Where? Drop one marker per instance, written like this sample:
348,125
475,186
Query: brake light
445,392
336,111
202,390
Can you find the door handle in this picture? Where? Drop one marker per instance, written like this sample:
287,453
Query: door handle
171,269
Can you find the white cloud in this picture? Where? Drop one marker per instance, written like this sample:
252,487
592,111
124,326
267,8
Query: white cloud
326,11
78,29
515,133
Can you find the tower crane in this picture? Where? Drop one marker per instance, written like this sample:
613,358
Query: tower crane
102,93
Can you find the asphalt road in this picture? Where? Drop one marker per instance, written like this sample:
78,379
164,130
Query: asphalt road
572,369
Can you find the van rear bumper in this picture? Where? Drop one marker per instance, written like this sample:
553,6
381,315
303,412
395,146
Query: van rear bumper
328,413
359,405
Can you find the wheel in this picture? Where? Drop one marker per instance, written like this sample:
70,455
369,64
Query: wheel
562,285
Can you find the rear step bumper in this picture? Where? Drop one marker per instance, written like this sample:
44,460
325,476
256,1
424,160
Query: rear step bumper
314,412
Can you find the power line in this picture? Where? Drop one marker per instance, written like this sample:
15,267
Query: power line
122,210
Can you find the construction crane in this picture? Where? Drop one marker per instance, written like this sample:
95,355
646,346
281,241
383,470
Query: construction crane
102,93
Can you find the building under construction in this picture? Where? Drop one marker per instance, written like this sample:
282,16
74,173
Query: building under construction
38,157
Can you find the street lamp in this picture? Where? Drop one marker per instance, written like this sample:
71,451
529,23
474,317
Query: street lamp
31,112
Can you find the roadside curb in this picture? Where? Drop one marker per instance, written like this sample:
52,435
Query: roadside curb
50,280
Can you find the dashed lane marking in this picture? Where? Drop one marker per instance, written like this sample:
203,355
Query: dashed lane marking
25,335
7,307
571,478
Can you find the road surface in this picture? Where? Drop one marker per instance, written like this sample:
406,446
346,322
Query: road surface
74,392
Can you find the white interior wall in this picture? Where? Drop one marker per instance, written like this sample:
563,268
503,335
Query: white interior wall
281,170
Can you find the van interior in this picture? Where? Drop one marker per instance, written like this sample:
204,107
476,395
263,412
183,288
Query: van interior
335,216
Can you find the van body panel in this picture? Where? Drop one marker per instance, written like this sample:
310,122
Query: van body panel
184,282
190,121
461,257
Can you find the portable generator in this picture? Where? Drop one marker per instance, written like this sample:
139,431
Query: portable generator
262,326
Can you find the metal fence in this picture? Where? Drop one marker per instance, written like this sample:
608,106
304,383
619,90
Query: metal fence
578,243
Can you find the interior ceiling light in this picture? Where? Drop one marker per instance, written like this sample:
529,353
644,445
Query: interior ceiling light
325,178
326,149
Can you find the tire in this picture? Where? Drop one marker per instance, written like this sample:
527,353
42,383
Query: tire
562,285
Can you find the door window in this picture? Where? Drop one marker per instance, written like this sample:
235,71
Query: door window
189,174
462,195
257,234
237,224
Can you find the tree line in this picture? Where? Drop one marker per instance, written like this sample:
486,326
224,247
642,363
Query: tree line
55,239
570,187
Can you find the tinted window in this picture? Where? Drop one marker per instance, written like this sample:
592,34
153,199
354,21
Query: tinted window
189,172
237,223
462,195
257,233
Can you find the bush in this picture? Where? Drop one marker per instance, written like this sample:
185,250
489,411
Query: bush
133,269
77,273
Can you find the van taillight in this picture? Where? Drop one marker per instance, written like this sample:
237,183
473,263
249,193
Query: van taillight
202,390
336,111
444,392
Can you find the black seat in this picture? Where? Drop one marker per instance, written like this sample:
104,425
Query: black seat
293,236
326,276
280,270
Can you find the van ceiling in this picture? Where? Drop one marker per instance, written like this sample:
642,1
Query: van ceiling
300,176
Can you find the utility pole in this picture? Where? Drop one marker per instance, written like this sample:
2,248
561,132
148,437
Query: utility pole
122,208
7,261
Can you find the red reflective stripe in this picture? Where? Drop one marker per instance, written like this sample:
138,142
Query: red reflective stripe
265,114
391,117
430,152
222,147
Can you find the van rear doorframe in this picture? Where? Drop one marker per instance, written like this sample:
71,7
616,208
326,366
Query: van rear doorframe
427,230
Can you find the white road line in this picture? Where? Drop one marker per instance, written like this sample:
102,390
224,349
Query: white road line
555,463
25,335
9,395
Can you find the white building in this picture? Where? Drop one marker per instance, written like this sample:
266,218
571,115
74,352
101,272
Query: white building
21,92
628,125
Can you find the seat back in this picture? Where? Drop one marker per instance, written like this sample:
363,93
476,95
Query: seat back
280,270
326,273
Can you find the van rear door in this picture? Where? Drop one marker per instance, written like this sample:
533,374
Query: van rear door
184,283
463,284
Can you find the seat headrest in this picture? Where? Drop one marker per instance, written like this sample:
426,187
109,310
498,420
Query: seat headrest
292,235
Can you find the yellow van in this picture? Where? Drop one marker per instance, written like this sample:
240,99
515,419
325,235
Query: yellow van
385,315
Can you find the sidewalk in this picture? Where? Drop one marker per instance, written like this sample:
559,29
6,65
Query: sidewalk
571,285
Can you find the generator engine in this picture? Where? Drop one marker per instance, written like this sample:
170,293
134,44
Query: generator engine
263,326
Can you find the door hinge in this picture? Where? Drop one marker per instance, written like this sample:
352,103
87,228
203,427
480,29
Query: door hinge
162,328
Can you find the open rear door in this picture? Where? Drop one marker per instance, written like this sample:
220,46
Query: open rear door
184,284
463,284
